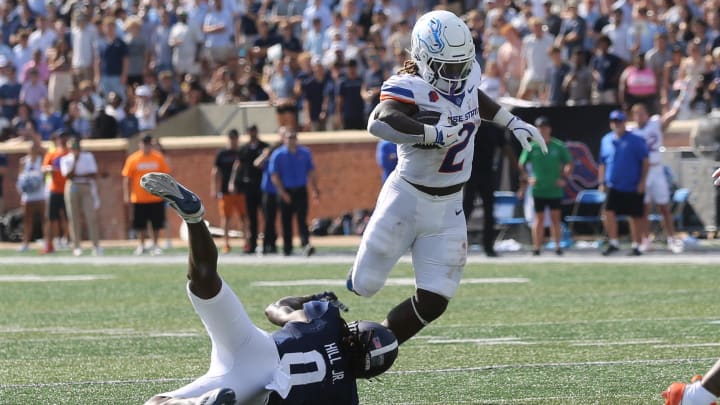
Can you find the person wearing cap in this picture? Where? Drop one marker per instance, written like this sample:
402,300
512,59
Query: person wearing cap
248,178
145,207
186,42
622,173
313,93
55,214
146,109
230,202
547,178
82,199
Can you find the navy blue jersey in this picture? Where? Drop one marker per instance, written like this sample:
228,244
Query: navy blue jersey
320,372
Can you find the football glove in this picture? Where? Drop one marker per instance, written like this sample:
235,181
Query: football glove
330,297
525,133
443,134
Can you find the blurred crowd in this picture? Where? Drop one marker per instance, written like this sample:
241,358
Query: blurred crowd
115,68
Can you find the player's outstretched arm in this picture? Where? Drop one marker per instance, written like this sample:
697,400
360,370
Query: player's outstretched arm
524,132
391,120
287,309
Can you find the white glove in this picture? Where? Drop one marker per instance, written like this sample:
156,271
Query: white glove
444,134
521,130
716,177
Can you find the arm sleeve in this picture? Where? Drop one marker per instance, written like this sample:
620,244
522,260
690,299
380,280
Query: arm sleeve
126,170
567,156
398,89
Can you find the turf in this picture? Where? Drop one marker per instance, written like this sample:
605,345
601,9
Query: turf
574,334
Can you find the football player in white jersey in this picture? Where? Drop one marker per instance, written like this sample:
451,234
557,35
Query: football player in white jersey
657,189
420,205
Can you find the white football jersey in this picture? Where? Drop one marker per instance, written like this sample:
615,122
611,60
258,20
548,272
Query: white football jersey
653,134
437,167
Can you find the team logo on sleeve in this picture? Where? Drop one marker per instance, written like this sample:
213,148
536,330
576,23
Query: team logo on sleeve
433,96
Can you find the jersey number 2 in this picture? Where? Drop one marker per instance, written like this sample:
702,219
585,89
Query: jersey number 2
299,358
448,164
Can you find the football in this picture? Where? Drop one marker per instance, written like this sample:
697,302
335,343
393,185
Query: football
429,118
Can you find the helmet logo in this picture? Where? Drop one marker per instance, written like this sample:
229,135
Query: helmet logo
435,44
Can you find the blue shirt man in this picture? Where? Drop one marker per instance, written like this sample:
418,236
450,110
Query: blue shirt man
386,157
623,157
322,336
622,171
291,168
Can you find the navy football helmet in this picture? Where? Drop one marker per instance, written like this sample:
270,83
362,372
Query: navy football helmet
373,347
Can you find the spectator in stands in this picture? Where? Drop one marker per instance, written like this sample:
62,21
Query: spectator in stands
557,93
607,68
30,185
350,104
509,60
23,120
3,172
76,123
552,20
316,9
490,83
292,169
5,51
657,57
10,94
47,120
139,51
230,203
248,177
22,51
373,80
642,32
671,86
689,75
535,62
313,93
714,85
315,39
619,33
547,178
60,86
186,42
56,215
84,44
161,51
638,84
281,83
145,109
81,196
145,207
33,90
218,28
44,36
112,62
386,158
290,44
622,172
36,62
578,82
572,31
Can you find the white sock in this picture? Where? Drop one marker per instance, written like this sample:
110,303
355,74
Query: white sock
614,242
696,394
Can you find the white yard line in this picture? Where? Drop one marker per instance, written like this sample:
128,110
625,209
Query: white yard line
35,278
398,281
400,372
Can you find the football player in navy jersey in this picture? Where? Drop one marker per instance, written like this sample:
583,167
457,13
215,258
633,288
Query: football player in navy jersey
315,358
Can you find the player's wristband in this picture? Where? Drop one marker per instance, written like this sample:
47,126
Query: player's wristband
503,117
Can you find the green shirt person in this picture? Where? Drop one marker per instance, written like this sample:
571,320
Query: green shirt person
547,178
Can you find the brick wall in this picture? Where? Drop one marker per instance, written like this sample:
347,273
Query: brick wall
347,173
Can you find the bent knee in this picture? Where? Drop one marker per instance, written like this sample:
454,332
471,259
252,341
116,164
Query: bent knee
366,282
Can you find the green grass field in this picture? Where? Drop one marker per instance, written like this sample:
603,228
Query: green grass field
572,334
